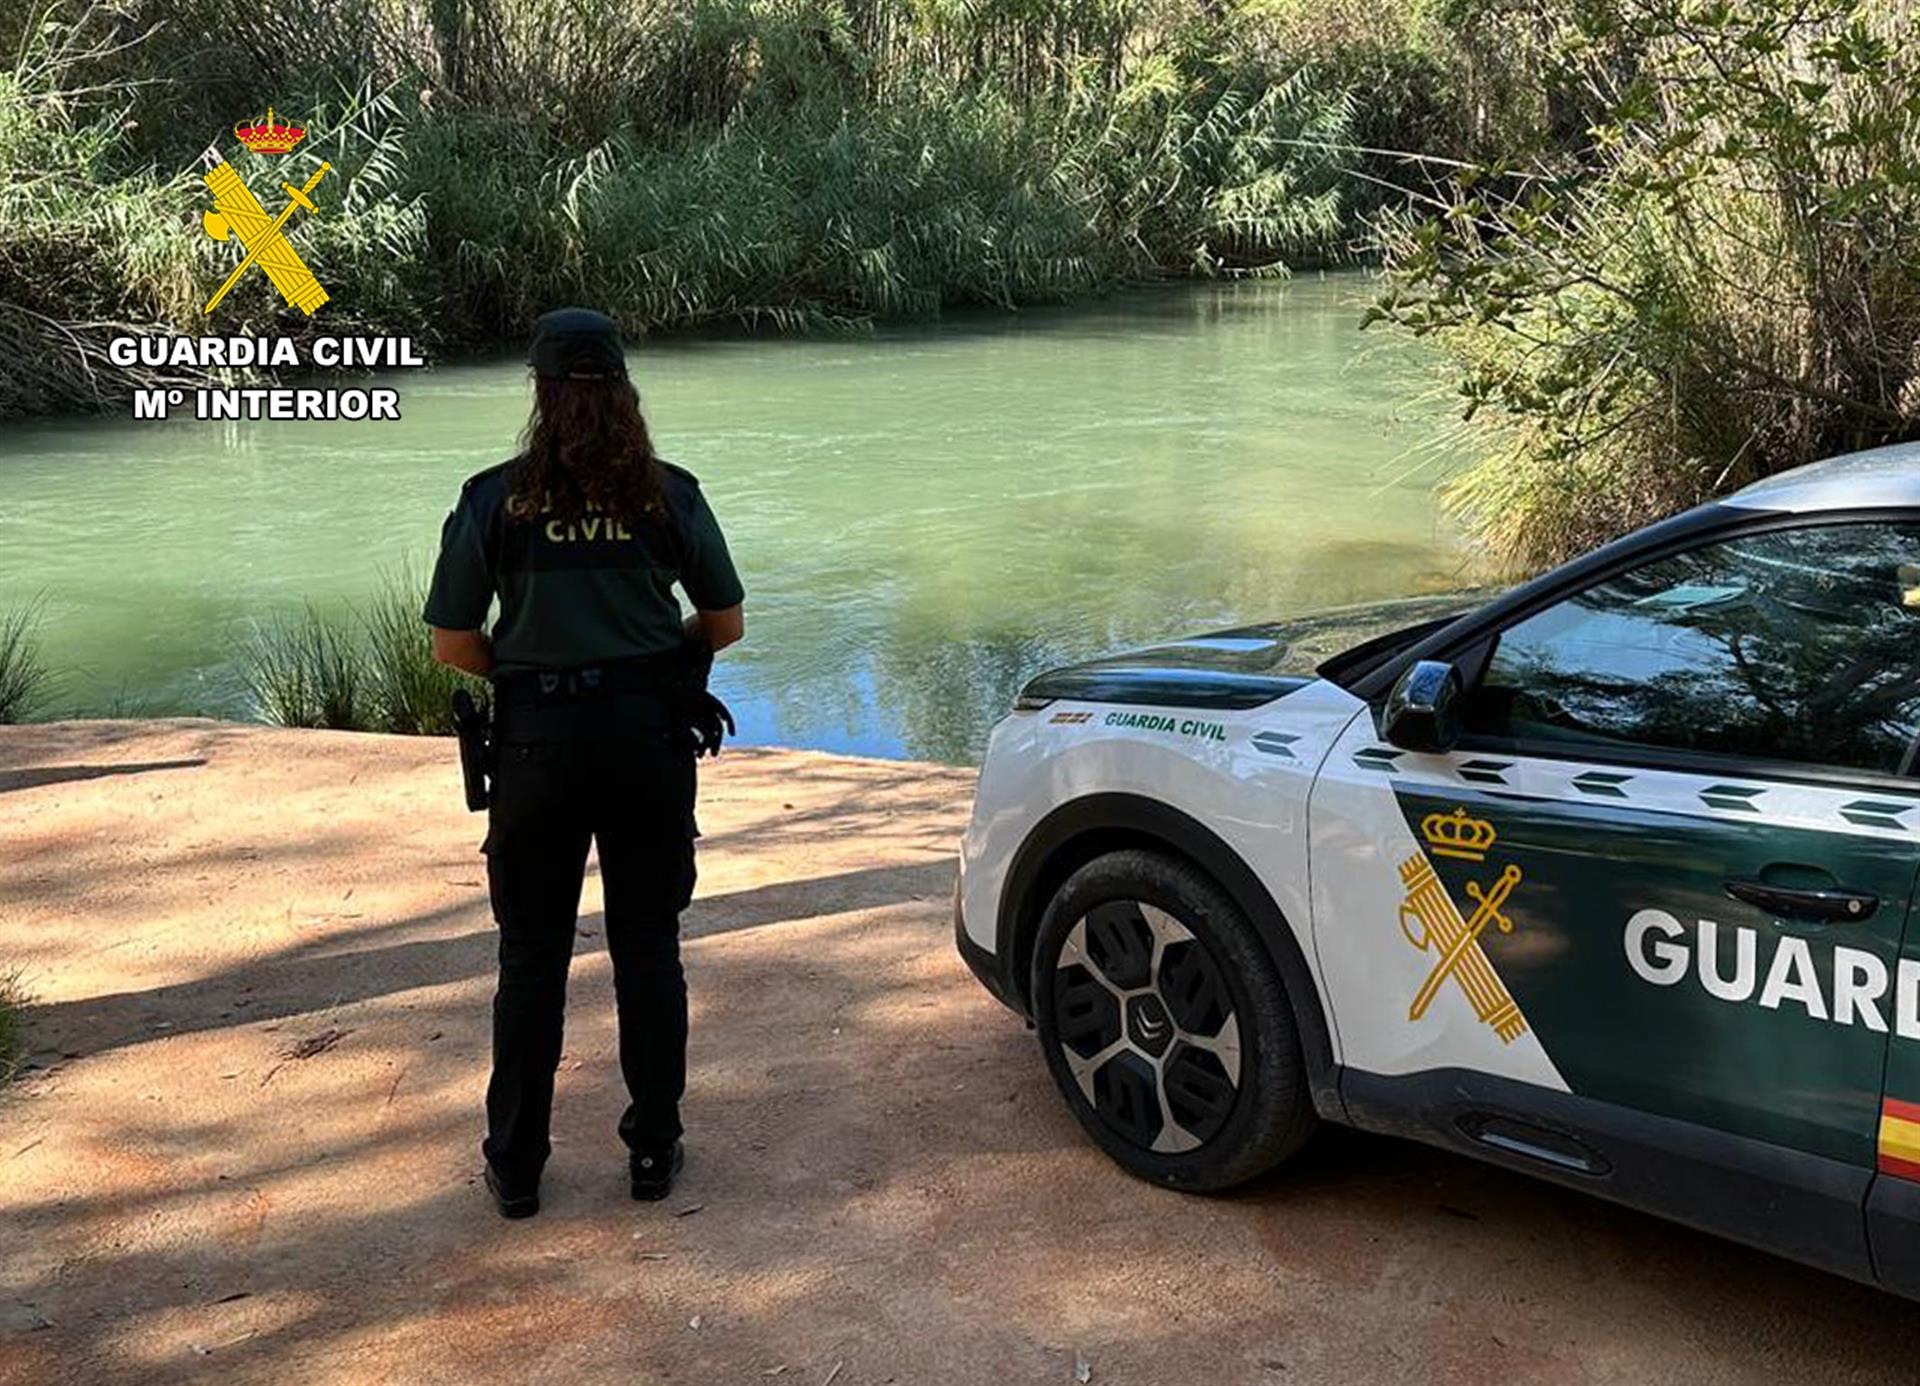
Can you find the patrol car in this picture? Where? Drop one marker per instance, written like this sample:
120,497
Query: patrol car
1606,879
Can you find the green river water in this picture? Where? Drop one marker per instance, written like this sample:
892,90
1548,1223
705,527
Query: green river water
923,517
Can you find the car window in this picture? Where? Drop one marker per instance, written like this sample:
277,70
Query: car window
1797,645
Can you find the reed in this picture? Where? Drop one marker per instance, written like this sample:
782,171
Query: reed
309,670
411,693
25,679
1718,285
368,667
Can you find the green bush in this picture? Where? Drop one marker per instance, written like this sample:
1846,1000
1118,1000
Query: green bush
24,677
1721,284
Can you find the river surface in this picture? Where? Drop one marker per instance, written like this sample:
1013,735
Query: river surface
923,517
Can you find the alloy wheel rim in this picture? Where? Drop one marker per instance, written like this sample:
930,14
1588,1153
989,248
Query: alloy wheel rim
1147,1026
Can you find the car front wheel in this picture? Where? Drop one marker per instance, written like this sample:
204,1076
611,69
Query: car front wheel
1166,1025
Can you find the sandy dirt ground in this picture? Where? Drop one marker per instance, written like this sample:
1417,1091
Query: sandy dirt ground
248,1151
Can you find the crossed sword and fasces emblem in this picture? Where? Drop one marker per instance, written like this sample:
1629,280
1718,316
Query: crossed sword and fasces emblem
238,211
1432,922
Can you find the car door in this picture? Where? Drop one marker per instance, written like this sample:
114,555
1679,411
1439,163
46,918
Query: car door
1640,926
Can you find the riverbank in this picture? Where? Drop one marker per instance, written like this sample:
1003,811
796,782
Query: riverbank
247,1147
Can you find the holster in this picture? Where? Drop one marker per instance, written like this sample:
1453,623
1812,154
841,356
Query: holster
472,727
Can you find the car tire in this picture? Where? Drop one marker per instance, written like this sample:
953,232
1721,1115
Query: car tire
1136,951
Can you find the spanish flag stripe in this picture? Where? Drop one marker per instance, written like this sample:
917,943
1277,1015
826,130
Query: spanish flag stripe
1900,1169
1900,1138
1894,1107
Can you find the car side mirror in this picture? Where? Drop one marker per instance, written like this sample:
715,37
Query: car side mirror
1423,711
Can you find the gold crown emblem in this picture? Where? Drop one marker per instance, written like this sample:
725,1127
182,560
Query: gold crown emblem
269,136
1456,835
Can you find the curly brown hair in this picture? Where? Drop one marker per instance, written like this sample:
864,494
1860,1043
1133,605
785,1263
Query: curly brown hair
586,448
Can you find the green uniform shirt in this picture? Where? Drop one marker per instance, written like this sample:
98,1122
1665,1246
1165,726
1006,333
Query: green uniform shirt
587,592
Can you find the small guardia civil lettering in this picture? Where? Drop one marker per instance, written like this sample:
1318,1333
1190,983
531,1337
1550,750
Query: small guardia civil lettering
1179,726
263,242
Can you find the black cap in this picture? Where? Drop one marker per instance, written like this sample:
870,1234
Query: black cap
577,344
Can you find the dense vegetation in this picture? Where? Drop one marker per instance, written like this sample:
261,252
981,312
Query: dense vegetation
1718,280
795,163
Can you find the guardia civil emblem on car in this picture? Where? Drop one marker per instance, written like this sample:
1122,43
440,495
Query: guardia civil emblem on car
1432,922
1608,879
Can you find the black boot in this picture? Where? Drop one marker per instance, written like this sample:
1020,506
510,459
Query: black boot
512,1201
653,1172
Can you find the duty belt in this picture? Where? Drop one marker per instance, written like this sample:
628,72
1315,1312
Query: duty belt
668,689
666,677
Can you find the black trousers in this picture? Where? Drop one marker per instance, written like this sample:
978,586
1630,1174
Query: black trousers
611,772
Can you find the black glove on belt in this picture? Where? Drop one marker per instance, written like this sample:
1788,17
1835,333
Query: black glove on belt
710,721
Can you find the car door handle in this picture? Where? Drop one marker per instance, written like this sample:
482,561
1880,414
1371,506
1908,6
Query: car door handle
1838,905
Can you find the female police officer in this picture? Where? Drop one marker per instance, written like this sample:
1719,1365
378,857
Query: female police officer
597,681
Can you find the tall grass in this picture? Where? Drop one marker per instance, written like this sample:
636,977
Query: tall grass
365,668
411,692
308,671
24,677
